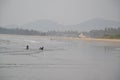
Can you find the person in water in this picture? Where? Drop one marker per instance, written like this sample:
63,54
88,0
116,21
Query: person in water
41,48
27,47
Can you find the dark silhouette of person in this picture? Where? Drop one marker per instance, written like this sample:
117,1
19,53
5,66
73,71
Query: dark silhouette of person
41,48
27,47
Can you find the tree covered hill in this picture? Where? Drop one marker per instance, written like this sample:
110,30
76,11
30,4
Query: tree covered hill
49,25
105,33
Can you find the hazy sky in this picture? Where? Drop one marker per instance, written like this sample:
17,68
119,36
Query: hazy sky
62,11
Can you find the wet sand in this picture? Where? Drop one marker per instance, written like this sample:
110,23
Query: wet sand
87,39
100,39
64,58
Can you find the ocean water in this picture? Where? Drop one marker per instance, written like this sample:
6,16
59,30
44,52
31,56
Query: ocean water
62,59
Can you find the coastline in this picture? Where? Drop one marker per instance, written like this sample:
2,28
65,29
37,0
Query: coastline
101,39
69,38
89,39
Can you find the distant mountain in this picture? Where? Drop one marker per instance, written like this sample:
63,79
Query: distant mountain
96,24
44,25
48,25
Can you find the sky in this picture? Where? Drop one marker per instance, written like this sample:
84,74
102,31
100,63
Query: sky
62,11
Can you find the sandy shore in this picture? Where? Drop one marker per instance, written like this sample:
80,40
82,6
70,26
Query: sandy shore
69,38
88,39
105,40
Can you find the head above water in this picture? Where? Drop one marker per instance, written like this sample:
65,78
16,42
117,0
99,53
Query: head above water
27,47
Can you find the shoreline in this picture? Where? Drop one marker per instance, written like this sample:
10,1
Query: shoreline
101,39
88,39
69,38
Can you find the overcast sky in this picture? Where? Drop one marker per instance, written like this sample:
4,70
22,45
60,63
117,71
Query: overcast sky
62,11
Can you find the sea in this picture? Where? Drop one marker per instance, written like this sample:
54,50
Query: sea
61,59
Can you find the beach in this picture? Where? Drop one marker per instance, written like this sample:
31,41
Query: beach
64,58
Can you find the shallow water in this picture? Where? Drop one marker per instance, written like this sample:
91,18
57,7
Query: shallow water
61,60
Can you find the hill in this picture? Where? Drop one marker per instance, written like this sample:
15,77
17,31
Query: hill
48,25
